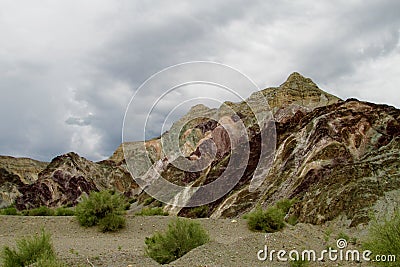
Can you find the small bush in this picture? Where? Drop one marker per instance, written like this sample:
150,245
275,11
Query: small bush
270,220
49,262
111,222
132,200
41,211
198,212
384,238
292,220
285,204
182,236
9,211
102,207
33,250
148,201
64,212
152,212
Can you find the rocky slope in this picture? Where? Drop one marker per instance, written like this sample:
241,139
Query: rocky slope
15,172
337,158
68,176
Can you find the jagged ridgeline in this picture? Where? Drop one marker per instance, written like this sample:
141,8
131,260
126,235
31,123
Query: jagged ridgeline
337,158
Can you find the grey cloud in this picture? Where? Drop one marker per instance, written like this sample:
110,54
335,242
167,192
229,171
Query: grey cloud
106,49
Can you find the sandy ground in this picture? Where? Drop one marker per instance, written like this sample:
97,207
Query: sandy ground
232,244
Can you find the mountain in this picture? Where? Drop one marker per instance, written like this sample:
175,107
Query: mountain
338,158
15,172
67,177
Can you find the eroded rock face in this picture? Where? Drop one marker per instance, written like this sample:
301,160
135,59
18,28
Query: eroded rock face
16,172
338,158
69,176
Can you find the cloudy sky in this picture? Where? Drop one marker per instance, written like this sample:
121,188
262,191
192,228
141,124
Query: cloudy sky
69,68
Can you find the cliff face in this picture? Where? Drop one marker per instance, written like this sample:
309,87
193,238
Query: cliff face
69,176
15,172
337,158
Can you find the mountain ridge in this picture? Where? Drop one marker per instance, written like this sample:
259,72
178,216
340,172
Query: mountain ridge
338,158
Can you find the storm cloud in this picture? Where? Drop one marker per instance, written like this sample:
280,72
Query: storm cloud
68,69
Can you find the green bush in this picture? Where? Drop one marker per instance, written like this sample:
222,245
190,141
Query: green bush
49,262
112,222
9,211
182,236
270,220
41,211
384,238
148,201
64,212
198,212
285,204
152,212
33,250
102,208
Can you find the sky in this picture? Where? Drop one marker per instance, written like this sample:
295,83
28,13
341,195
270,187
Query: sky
69,68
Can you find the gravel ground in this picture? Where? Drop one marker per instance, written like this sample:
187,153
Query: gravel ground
232,244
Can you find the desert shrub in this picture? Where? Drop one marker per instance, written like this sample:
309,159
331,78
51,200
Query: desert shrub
103,207
132,200
30,251
9,211
152,212
292,220
270,220
48,262
285,204
111,222
198,212
384,238
182,236
148,201
41,211
298,263
64,212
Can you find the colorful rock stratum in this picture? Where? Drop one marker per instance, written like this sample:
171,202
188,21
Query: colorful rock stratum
339,159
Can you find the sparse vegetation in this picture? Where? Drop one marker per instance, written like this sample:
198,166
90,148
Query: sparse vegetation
36,250
64,212
41,211
270,220
148,201
299,263
327,234
384,238
292,220
285,204
102,208
152,212
9,211
182,236
344,236
198,212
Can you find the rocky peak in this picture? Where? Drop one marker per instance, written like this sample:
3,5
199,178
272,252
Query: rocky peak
298,81
297,93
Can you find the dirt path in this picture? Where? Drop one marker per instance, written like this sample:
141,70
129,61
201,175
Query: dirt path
232,244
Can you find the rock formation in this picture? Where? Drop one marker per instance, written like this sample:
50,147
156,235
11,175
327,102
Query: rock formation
337,158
